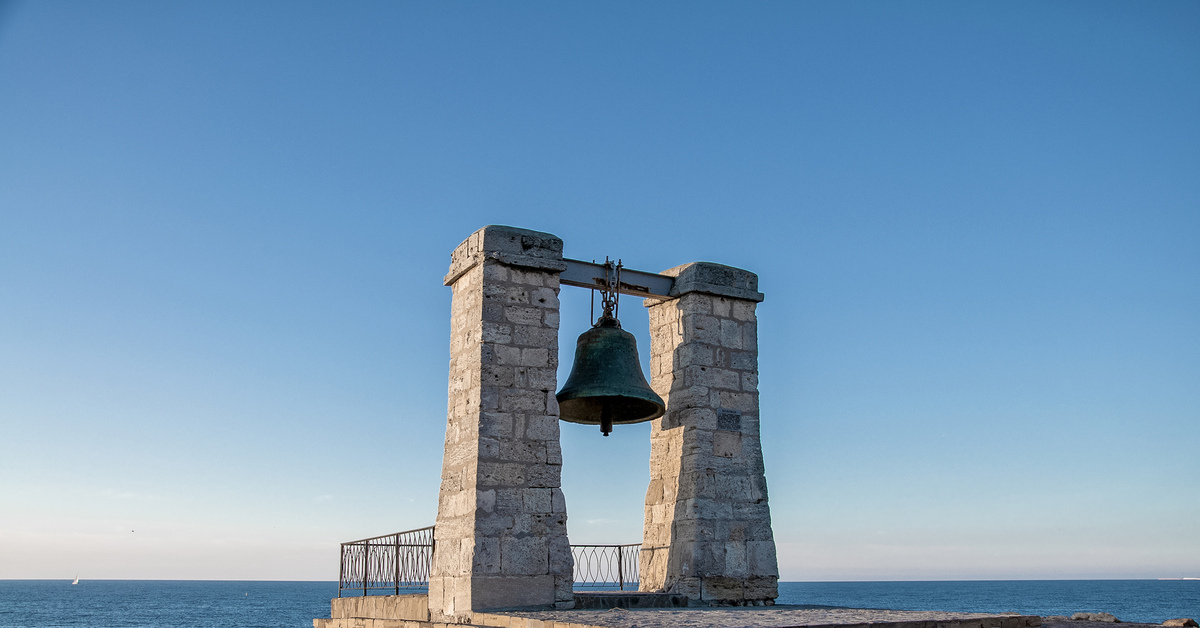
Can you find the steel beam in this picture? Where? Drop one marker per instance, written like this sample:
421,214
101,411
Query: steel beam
635,283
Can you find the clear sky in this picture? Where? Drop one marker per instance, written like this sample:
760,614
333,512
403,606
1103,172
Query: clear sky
224,227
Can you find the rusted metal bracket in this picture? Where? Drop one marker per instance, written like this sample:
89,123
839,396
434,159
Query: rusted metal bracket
635,283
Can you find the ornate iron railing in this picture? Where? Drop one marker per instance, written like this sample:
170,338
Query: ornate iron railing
389,562
401,561
606,566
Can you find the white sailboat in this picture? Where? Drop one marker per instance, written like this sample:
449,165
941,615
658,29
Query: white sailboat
76,579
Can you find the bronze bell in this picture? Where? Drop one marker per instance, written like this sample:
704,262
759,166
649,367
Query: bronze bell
606,386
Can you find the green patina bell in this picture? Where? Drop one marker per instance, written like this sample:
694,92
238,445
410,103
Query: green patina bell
606,386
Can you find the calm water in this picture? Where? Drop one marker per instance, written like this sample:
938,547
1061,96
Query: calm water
205,604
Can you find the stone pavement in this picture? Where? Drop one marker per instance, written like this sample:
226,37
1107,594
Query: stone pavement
750,617
411,611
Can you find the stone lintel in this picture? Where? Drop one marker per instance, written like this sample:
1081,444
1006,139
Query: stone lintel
710,278
508,245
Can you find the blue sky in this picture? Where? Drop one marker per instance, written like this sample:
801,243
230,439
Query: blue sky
223,229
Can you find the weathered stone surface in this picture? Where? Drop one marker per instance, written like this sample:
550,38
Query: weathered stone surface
521,251
501,522
707,531
638,613
753,617
1104,617
1182,622
396,607
716,279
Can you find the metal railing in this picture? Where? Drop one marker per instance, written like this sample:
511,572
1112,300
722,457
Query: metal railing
401,562
392,561
606,566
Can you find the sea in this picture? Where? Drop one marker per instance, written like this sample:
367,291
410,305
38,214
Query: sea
273,604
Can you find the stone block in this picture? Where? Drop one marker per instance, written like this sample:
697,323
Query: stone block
486,500
741,401
548,524
510,500
519,400
759,587
506,294
714,279
537,500
743,310
544,476
486,524
491,312
496,333
545,298
495,375
731,334
761,558
702,328
678,399
685,304
513,450
506,355
721,589
700,530
750,336
731,488
508,591
541,426
502,474
736,560
564,595
540,378
722,307
709,376
495,424
689,586
487,555
553,452
489,448
535,336
539,357
489,399
744,360
527,556
693,354
727,444
527,277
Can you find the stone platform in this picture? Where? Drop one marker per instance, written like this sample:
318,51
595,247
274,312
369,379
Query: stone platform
411,611
751,617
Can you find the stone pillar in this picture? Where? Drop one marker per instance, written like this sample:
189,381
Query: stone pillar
707,531
501,532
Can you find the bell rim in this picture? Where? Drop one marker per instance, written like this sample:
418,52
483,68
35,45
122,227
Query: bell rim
660,409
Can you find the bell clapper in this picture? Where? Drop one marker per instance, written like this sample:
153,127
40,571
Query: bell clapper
606,419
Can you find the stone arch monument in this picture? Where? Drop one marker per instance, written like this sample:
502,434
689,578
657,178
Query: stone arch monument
501,531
